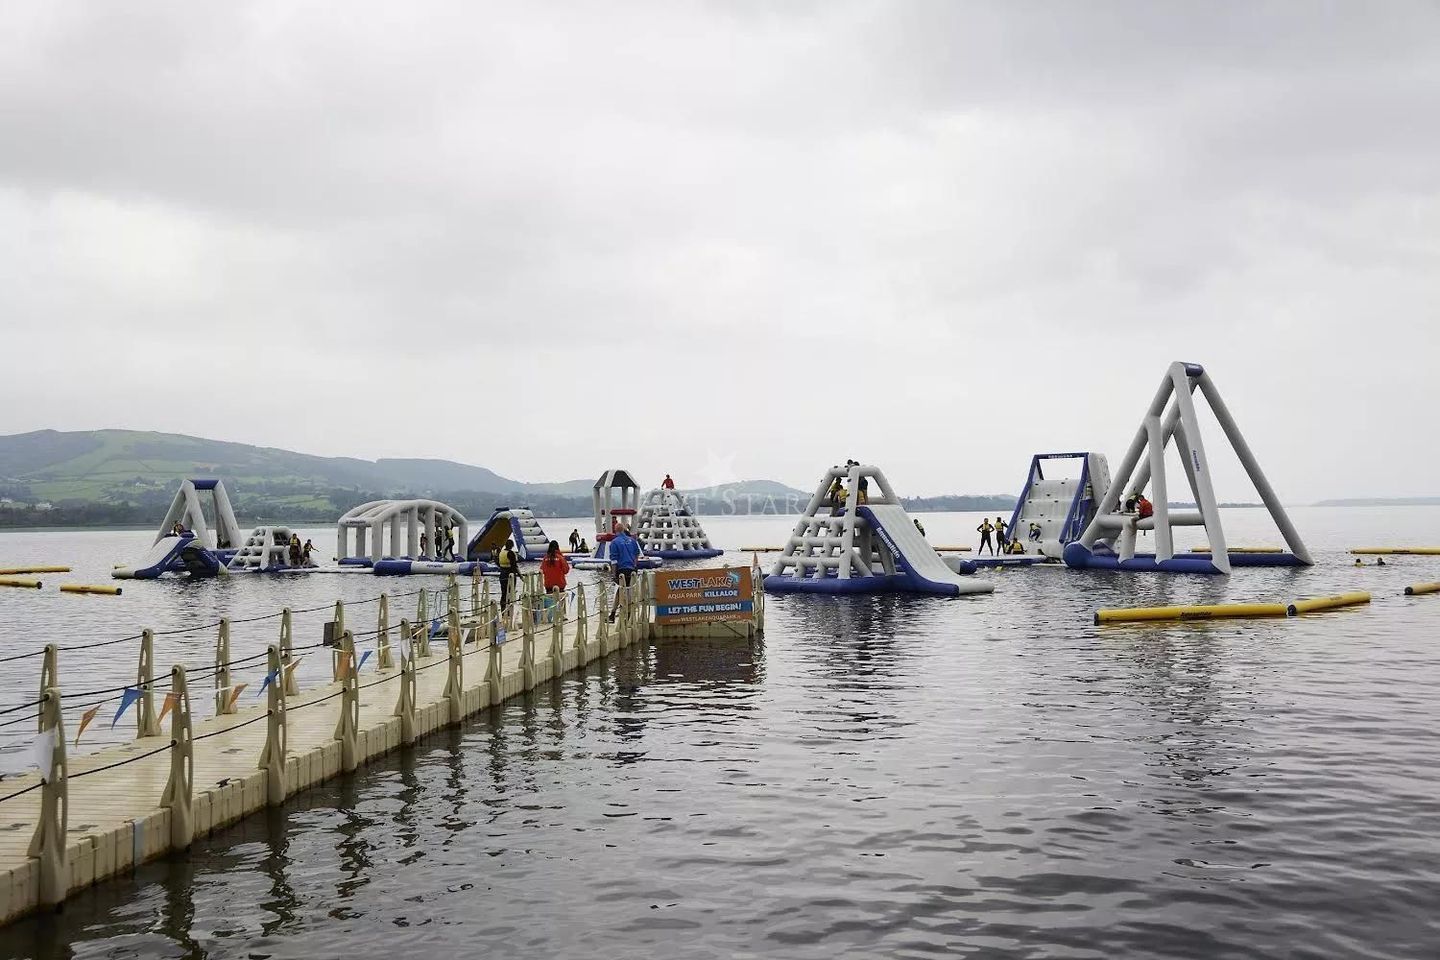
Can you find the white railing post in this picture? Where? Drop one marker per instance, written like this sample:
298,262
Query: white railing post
179,793
272,758
347,727
287,654
223,703
145,723
382,637
48,843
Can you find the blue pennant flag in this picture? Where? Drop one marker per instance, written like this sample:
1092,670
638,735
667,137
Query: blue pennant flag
499,636
130,695
363,657
270,678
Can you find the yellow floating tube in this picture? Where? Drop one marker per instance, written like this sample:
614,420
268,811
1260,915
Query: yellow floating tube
1399,551
1241,550
1317,604
6,571
1212,612
1420,589
89,588
19,582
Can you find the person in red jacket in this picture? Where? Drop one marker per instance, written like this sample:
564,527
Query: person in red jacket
668,484
552,573
554,568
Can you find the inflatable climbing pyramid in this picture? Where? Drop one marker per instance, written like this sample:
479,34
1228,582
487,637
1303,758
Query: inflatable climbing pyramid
666,528
855,537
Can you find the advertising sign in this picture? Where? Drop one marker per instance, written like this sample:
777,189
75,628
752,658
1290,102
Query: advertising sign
704,596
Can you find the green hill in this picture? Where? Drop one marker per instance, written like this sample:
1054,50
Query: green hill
129,476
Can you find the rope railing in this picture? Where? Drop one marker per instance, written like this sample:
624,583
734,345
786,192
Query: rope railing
521,619
198,628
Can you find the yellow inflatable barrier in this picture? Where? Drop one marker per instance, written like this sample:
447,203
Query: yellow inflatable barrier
1421,589
88,588
1213,612
19,582
1398,551
1318,604
7,571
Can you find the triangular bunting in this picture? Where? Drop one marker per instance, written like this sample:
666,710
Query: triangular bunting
171,699
270,678
85,719
363,657
235,692
130,695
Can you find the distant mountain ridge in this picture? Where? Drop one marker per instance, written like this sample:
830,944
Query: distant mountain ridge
59,464
129,476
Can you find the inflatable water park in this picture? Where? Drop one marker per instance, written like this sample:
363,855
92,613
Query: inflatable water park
853,537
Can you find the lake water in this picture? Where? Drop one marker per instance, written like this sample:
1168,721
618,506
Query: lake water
886,776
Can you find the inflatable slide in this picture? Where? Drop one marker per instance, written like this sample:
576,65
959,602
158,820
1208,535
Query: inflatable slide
509,523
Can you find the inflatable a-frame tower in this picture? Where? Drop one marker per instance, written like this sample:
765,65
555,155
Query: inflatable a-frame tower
1172,417
186,510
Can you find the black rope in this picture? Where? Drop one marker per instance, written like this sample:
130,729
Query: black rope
97,643
121,763
23,706
302,706
233,726
23,791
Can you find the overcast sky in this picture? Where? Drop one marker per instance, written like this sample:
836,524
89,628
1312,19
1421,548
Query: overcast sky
728,239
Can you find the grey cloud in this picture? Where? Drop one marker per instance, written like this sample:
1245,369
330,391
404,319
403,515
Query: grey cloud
940,235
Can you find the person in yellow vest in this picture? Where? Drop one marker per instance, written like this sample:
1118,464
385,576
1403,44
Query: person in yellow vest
509,564
985,529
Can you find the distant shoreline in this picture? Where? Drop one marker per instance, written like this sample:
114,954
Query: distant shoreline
74,528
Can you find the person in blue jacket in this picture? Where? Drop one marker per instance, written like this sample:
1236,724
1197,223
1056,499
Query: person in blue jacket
625,552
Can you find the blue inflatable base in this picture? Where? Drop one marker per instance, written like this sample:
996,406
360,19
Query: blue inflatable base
684,554
1080,558
356,561
1018,560
833,586
1266,560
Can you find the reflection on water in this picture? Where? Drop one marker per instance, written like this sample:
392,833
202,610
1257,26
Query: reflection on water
879,776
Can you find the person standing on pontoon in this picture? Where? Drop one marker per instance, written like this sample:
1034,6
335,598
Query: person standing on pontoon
625,553
575,540
985,529
509,564
1001,540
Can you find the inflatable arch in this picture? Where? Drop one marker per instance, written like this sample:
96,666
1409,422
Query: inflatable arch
863,542
1172,416
403,521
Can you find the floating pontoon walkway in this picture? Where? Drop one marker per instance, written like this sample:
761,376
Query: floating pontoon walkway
104,813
